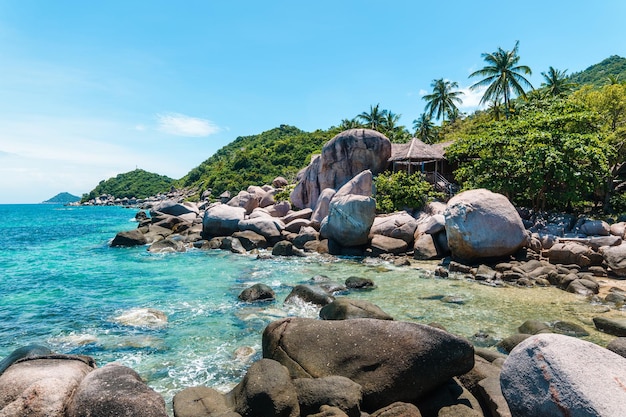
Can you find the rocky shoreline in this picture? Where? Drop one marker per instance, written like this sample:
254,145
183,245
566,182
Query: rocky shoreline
356,360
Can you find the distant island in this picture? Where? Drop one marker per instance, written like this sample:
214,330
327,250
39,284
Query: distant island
62,198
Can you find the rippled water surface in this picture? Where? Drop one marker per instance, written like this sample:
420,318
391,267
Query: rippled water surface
63,286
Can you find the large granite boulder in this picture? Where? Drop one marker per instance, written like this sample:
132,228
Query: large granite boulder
349,220
400,225
392,361
129,238
322,207
334,391
615,258
555,375
268,227
568,253
347,309
41,386
222,220
342,158
115,390
481,224
246,200
361,184
174,208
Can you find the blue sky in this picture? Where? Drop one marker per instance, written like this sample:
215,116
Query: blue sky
92,89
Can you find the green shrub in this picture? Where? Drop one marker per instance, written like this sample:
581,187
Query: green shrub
400,191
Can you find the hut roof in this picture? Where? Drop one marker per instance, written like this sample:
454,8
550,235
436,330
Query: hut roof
416,150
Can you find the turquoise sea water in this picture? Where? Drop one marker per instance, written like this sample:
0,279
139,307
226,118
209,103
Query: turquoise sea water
63,286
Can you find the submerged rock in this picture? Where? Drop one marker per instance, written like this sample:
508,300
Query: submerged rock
142,317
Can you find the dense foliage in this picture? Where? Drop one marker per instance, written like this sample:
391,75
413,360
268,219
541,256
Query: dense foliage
551,155
257,159
133,184
400,191
62,198
598,75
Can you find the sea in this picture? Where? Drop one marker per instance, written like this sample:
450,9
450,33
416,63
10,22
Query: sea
64,287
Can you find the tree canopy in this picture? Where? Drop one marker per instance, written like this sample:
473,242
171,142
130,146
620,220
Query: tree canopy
133,184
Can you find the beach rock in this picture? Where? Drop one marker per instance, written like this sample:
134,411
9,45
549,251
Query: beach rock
509,343
360,184
280,209
257,292
222,220
398,409
359,283
265,391
450,399
392,361
309,294
233,245
201,402
570,253
250,240
304,214
322,207
595,228
615,327
534,327
384,244
174,208
40,386
400,225
283,248
345,309
167,246
270,228
424,248
349,220
556,375
491,394
29,351
129,238
615,258
115,390
618,345
246,200
431,224
333,391
295,225
481,224
307,234
343,157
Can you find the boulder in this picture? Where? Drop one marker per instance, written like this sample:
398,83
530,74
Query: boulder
309,294
392,361
40,386
556,375
384,244
268,227
167,246
425,248
250,240
398,409
322,207
148,318
615,327
333,391
400,225
129,238
201,402
257,292
361,184
431,224
482,224
349,220
295,225
280,182
246,200
306,234
232,244
304,214
283,248
265,391
280,209
345,309
615,258
618,229
618,345
174,208
115,390
222,220
595,228
359,283
570,253
342,158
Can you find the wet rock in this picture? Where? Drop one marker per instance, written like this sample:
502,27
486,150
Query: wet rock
534,327
569,329
359,283
383,244
129,238
268,227
201,402
333,391
115,390
232,244
283,248
142,317
508,344
398,409
309,294
615,327
392,361
167,246
265,391
250,240
345,309
549,373
257,292
618,346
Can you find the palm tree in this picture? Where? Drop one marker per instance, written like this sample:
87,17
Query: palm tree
424,128
390,120
503,77
442,100
349,124
557,82
612,80
375,118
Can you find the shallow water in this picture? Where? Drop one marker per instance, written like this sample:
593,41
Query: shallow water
63,286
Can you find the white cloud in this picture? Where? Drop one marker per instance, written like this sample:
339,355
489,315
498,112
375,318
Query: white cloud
182,125
471,98
423,92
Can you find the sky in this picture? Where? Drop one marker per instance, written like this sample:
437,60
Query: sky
91,89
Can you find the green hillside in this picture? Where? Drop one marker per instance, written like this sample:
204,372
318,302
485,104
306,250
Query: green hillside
62,198
598,74
257,159
137,184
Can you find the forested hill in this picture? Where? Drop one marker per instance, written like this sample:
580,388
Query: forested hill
598,74
257,159
133,184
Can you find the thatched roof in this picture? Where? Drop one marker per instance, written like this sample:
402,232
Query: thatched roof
416,150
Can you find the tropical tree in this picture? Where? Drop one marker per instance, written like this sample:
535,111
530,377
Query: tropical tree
375,118
502,77
556,82
349,124
612,80
424,128
442,101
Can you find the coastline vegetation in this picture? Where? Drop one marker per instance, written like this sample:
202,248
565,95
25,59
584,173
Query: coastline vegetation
557,147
